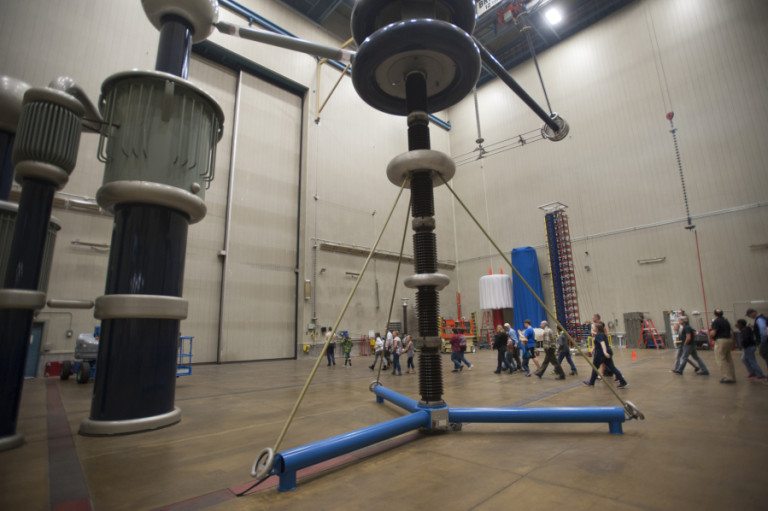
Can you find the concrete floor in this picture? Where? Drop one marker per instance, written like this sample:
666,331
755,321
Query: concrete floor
702,446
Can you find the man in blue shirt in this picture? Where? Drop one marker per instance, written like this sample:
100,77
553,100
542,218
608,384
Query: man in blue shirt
761,332
530,347
513,349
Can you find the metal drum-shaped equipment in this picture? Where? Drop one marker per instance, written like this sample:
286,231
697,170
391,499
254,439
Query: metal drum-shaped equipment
8,211
161,136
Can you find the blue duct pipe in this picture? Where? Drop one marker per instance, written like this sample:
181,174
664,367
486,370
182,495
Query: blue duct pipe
287,463
252,16
406,403
614,416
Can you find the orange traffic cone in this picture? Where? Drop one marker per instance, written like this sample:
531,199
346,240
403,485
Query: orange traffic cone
634,356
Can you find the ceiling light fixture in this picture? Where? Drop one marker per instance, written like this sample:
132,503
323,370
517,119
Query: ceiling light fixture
553,15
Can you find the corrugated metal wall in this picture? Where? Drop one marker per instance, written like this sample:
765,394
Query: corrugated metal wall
614,83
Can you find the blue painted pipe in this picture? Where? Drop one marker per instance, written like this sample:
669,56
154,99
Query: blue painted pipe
614,416
406,403
287,463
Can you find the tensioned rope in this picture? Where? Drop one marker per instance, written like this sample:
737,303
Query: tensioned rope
328,339
394,286
630,408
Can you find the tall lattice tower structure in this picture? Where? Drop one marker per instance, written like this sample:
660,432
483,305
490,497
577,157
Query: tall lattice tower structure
561,263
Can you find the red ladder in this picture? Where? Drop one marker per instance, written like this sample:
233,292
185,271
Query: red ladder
650,329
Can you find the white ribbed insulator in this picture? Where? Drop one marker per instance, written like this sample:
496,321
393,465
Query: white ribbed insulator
495,292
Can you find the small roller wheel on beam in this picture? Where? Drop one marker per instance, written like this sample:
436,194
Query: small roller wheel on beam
445,54
368,16
556,136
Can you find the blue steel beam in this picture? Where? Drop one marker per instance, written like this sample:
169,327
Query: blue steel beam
614,416
406,403
287,463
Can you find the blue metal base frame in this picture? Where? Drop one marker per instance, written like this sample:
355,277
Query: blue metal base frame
289,462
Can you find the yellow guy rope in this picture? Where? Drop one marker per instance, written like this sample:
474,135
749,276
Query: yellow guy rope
281,437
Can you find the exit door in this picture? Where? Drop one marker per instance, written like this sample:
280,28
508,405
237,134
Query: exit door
33,351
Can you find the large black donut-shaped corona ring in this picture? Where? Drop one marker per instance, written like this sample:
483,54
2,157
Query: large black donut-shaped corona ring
445,54
370,15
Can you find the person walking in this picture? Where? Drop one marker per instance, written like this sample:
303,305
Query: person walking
529,347
330,339
548,342
749,346
410,368
378,351
564,351
388,350
720,331
513,350
686,336
463,351
397,350
602,354
500,345
456,351
346,348
760,330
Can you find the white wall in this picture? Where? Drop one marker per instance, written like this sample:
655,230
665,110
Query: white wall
617,169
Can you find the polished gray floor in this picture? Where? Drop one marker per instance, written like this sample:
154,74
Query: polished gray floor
703,445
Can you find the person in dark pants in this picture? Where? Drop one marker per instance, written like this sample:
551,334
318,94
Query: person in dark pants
604,355
500,345
529,347
749,346
330,339
548,342
564,351
688,349
720,331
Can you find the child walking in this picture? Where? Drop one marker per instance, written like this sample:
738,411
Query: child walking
346,348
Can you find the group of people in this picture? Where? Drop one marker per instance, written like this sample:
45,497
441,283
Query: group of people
753,339
388,352
516,351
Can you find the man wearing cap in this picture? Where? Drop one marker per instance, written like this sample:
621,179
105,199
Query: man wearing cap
720,331
761,332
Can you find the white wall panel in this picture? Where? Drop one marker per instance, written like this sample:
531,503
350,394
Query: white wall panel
202,273
259,303
614,82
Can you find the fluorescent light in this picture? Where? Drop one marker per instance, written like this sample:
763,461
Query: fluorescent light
553,15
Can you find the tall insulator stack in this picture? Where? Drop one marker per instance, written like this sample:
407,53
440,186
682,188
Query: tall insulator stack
563,273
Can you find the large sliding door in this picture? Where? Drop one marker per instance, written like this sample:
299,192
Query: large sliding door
259,319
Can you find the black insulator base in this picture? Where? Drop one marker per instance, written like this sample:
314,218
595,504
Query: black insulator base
430,375
136,372
15,328
136,375
25,261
